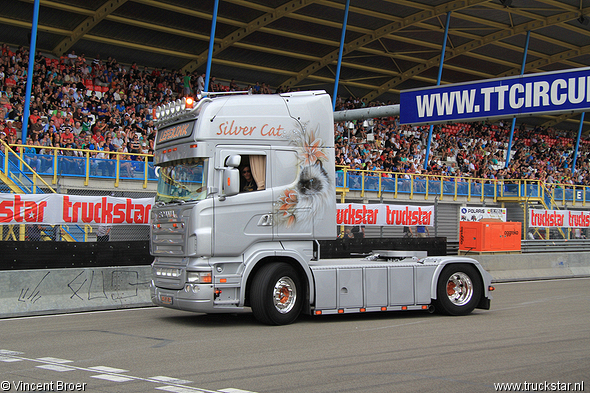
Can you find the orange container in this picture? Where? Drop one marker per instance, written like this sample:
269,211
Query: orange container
490,236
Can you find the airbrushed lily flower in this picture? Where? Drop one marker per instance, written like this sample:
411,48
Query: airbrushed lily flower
312,151
287,202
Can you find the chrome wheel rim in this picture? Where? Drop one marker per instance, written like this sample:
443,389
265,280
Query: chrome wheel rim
459,289
284,295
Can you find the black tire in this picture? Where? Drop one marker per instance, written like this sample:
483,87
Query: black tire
276,295
458,290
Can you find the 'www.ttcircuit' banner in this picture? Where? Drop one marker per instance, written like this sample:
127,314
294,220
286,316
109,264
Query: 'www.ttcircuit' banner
552,92
58,209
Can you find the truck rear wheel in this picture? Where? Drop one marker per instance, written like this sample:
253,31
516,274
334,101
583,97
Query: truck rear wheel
276,295
458,290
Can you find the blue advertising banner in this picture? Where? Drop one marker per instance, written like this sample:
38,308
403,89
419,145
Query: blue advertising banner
533,94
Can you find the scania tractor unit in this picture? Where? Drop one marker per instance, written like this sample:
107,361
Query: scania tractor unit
246,189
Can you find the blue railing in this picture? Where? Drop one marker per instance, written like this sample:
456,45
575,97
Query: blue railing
435,185
46,164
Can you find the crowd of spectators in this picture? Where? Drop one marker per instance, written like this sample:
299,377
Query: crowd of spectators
464,150
99,104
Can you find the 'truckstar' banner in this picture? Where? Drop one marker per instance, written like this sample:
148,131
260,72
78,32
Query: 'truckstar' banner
559,218
58,209
384,215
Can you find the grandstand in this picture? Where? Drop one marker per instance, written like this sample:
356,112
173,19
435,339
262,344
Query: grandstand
91,130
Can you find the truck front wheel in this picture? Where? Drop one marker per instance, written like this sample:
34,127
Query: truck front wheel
458,290
276,295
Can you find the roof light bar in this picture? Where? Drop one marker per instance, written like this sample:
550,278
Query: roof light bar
168,113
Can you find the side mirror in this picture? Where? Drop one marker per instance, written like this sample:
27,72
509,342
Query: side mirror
231,181
233,161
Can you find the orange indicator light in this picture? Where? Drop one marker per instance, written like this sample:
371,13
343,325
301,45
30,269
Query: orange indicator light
206,278
404,308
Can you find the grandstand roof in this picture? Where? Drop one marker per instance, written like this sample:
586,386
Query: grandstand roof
391,45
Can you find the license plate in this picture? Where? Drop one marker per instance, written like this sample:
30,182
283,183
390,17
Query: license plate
166,299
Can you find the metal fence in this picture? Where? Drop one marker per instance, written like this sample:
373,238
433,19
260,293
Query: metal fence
80,163
431,186
25,173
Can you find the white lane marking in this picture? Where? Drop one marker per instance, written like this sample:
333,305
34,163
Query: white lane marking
55,360
178,389
54,367
81,313
111,374
112,378
106,369
165,379
9,359
538,281
9,352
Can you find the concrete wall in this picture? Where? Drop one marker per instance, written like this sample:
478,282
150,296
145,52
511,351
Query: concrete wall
536,266
51,291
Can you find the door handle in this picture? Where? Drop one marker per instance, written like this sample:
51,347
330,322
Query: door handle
265,220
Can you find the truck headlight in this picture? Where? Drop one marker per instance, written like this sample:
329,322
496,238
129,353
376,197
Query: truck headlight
199,277
167,272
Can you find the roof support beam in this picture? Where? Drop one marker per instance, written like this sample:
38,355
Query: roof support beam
381,32
251,27
470,46
83,28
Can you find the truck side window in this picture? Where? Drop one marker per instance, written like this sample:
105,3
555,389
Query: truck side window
253,173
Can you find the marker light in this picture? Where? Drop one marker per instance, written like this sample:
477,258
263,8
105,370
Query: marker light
198,277
190,102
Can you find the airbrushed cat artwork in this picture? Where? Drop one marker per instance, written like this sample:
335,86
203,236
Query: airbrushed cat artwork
313,190
221,249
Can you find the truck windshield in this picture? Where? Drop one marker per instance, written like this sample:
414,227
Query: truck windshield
183,181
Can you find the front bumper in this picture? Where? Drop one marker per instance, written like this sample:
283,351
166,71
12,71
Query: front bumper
200,300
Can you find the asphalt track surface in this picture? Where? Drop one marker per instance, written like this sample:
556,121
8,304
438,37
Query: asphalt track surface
536,332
